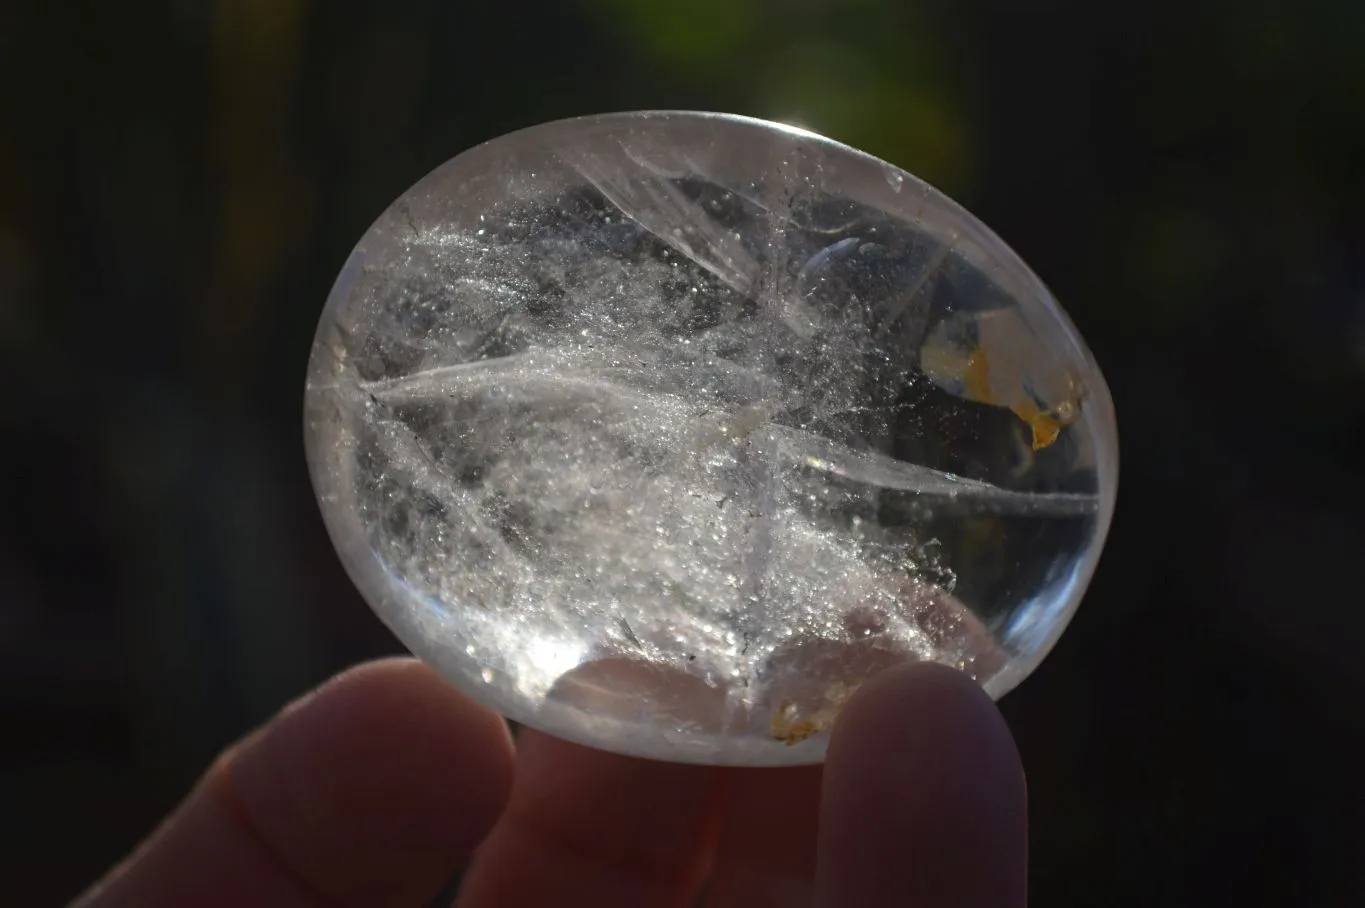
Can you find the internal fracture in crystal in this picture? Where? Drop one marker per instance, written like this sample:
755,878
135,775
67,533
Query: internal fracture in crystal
663,432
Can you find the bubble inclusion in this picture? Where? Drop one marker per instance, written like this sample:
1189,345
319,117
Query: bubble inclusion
651,459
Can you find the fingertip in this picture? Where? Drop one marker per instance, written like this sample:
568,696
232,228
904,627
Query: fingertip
897,701
923,798
378,785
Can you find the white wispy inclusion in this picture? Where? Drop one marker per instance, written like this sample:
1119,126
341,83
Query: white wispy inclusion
642,451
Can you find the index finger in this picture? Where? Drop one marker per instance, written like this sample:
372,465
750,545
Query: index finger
371,791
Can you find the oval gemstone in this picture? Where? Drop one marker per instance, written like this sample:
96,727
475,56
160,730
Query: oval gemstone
663,432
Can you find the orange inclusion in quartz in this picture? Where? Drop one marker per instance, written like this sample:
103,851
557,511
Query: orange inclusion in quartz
1045,424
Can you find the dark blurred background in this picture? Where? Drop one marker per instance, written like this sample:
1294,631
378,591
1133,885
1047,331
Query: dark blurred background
181,180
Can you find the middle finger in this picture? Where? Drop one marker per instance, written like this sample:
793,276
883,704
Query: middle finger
586,827
766,853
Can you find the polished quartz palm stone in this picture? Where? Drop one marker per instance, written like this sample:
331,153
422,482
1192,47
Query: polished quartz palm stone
663,432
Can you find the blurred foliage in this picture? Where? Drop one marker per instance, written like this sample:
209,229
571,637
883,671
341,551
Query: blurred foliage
180,181
865,72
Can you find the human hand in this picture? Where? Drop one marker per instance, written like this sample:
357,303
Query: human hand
373,789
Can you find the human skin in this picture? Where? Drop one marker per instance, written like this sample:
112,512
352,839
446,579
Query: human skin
373,789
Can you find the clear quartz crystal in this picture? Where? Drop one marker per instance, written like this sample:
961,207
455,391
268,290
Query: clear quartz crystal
662,432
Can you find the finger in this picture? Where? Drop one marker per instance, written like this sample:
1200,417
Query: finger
585,827
923,801
766,853
370,791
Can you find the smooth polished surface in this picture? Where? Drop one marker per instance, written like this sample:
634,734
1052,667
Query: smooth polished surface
663,432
